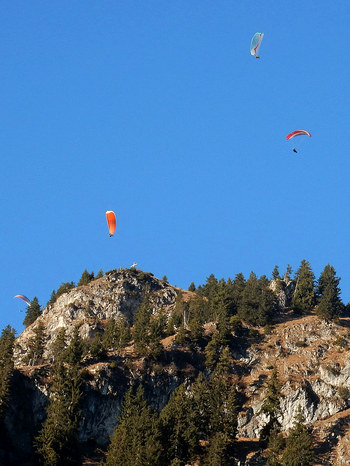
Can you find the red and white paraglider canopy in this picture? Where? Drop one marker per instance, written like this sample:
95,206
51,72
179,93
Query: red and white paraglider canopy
25,299
298,132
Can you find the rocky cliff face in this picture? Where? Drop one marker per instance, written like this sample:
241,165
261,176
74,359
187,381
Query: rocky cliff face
117,293
311,356
313,364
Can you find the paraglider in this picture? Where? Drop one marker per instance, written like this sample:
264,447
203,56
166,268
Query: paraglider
255,43
25,299
111,221
298,132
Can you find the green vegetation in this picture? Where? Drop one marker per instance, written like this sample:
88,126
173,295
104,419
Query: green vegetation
221,319
328,292
32,313
86,278
64,288
56,441
304,298
117,334
136,439
299,444
6,365
36,345
271,407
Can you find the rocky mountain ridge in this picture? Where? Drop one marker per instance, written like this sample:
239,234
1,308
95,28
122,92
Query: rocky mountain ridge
312,358
118,293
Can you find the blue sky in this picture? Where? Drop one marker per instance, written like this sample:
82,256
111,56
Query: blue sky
157,110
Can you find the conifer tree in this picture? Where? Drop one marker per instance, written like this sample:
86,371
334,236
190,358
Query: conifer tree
136,439
75,349
180,312
275,273
32,313
275,447
222,400
287,274
181,335
53,297
99,274
6,365
196,320
223,324
236,292
212,351
36,345
59,345
271,406
210,291
192,287
64,288
304,294
142,326
117,334
217,450
299,445
328,292
97,350
156,333
180,429
86,278
258,301
57,439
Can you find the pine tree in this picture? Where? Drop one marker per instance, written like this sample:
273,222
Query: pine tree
75,349
136,439
156,333
6,365
299,445
271,406
237,289
217,450
86,278
53,297
275,273
97,350
180,337
99,274
210,291
36,345
196,320
304,295
287,274
117,334
258,301
223,324
222,406
179,426
181,312
275,447
192,287
64,288
328,292
57,439
212,351
141,331
59,345
33,312
224,365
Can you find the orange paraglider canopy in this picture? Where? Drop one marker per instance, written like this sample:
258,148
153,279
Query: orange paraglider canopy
112,222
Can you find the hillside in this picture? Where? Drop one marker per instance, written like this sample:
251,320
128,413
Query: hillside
311,357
